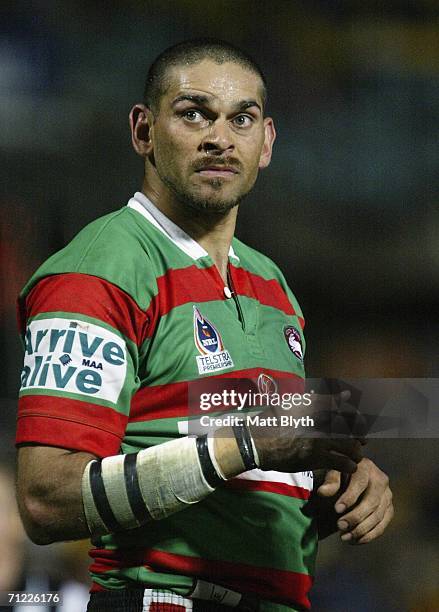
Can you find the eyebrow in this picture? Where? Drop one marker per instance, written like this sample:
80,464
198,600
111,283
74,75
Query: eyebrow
200,99
244,104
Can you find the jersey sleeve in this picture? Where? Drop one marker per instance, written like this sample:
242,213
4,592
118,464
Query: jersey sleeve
81,338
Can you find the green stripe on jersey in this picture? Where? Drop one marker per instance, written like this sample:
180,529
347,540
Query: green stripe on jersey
75,396
265,345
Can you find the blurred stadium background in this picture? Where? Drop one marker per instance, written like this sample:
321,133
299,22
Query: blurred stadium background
348,209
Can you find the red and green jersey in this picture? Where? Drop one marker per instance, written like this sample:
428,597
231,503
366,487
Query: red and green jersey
115,327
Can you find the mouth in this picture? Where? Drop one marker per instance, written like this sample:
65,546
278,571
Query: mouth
213,171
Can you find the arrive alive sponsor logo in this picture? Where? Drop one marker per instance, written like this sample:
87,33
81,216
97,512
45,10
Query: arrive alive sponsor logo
74,356
210,344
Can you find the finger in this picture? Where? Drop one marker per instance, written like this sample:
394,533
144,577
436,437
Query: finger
332,460
379,529
331,484
369,523
368,506
357,485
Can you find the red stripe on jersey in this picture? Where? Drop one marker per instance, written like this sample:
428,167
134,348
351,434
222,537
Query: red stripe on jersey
193,284
183,286
189,284
171,400
91,296
70,423
268,292
281,488
97,588
160,402
105,560
282,586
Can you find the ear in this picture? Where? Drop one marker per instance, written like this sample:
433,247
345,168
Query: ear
141,120
269,138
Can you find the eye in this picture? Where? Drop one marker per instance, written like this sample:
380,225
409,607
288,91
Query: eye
243,121
193,116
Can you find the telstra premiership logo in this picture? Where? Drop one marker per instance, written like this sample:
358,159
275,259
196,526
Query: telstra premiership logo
209,343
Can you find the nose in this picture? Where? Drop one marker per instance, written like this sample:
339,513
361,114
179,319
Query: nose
218,139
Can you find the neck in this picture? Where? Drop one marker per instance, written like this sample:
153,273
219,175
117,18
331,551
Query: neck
213,231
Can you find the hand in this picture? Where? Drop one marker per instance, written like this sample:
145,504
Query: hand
294,449
367,498
300,454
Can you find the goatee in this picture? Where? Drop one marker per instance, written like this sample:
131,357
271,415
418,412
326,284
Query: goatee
214,205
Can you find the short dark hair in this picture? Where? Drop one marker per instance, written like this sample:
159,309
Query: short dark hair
192,52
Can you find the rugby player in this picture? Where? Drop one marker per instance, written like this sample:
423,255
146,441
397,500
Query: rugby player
143,302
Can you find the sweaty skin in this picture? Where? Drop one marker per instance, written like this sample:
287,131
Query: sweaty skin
203,149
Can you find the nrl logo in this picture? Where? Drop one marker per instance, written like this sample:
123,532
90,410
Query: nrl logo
213,356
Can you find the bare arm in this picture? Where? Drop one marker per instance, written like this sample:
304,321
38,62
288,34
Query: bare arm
49,493
120,493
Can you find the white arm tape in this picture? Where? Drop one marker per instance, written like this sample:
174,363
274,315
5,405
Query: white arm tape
211,447
169,479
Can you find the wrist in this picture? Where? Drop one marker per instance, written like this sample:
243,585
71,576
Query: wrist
246,446
227,452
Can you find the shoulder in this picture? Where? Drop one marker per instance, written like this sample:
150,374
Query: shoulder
260,265
256,262
113,248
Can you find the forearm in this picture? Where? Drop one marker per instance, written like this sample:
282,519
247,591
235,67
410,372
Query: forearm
51,492
67,495
126,491
49,497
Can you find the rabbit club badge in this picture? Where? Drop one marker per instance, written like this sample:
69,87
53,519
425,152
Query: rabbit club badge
294,341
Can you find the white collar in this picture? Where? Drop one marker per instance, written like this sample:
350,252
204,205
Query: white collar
183,241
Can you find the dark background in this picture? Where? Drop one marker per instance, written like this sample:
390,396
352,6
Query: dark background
348,207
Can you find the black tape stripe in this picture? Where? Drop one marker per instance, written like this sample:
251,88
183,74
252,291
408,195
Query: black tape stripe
247,440
242,435
100,497
132,486
207,467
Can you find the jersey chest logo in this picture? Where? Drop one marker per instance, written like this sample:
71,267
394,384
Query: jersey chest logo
213,356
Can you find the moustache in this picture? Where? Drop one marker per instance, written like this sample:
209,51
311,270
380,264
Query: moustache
227,162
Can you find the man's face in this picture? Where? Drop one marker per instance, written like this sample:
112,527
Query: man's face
209,137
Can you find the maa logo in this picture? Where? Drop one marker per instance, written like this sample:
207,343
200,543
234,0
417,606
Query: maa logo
92,364
213,356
